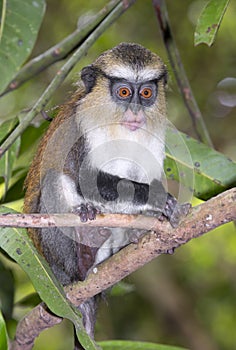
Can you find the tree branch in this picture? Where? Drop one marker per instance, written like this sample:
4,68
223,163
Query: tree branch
179,72
162,239
133,221
32,325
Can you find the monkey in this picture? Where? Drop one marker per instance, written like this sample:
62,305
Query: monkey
103,153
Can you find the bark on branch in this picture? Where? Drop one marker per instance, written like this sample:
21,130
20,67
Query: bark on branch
162,239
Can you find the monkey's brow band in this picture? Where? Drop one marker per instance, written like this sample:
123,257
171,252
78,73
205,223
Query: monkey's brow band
162,75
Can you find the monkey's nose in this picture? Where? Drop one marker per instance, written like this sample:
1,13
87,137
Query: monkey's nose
135,107
133,121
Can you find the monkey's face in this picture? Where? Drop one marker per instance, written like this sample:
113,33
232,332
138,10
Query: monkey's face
134,98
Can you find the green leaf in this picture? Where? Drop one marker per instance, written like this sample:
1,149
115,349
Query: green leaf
3,333
19,246
202,170
19,28
31,300
7,161
209,22
6,291
134,345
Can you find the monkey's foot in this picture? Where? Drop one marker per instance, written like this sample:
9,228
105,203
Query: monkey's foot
174,211
86,211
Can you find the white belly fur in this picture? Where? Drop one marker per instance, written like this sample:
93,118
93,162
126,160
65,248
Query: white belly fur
134,155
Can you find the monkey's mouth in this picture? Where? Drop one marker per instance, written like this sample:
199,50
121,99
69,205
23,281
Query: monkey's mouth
133,120
133,126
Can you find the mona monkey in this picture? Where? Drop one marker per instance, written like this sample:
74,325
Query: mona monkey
103,153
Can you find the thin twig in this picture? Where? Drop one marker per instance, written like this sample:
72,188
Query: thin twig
59,51
180,75
201,219
64,71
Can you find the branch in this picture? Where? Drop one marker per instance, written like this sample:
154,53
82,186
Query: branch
133,221
32,325
180,75
163,239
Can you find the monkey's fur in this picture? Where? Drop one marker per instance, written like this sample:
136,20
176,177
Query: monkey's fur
104,152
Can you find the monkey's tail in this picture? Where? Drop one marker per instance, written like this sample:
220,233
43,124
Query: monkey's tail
88,310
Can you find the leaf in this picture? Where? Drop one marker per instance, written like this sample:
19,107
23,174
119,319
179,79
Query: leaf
6,291
3,17
19,32
31,300
134,345
202,170
3,333
209,22
7,161
19,246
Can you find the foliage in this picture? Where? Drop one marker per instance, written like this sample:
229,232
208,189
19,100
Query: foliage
19,29
128,345
20,23
209,21
3,333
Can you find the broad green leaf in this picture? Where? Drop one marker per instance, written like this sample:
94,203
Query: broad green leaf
3,333
134,345
7,161
19,246
209,22
20,27
201,169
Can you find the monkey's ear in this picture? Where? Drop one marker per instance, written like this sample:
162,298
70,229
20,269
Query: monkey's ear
88,75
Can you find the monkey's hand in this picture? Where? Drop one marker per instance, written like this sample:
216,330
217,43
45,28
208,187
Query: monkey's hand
86,211
174,211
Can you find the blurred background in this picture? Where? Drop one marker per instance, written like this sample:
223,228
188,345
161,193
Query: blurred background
187,299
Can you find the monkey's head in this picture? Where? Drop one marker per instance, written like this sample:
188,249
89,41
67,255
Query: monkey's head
131,77
125,98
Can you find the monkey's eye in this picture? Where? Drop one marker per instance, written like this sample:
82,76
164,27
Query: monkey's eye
146,92
124,92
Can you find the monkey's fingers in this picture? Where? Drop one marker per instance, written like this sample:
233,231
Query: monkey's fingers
86,211
174,211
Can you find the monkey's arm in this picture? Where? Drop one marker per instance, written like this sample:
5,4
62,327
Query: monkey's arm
119,195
